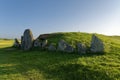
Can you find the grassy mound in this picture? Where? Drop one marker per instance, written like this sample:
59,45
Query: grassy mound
44,65
73,38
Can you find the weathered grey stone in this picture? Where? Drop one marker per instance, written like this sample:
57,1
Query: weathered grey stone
16,43
96,45
44,43
51,47
64,46
61,45
36,43
69,48
27,40
81,48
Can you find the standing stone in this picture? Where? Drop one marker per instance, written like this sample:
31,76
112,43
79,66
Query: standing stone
81,48
51,47
27,40
36,43
61,45
96,45
16,43
44,43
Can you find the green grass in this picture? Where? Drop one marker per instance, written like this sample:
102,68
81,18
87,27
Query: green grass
44,65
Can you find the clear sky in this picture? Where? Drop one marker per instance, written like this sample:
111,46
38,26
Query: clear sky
47,16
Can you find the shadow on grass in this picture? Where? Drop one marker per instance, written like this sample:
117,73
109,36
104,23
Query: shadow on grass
54,66
77,72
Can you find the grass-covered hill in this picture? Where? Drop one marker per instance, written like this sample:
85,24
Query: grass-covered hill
73,38
16,64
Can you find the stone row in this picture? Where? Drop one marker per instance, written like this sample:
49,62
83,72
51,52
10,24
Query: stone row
28,42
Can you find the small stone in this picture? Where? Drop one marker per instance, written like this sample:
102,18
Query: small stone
81,48
61,45
51,47
69,49
64,46
16,43
36,43
44,43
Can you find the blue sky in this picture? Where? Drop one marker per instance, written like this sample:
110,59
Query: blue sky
47,16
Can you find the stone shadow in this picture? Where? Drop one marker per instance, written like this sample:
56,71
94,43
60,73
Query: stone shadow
77,72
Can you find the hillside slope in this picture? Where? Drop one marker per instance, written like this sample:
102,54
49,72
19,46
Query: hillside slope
44,65
110,42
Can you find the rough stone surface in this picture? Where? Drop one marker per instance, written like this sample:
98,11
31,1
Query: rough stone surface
36,43
51,47
96,45
16,43
69,48
64,46
44,43
27,40
81,48
61,45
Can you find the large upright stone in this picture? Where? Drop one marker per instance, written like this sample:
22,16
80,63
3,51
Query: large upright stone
81,48
27,40
96,45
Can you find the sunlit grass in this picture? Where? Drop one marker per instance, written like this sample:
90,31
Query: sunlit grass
44,65
6,43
